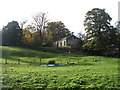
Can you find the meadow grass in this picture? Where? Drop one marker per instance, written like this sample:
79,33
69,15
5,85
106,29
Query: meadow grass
88,72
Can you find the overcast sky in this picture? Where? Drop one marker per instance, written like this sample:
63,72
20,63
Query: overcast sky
70,12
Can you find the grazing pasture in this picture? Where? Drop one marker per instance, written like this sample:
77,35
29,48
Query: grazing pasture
21,69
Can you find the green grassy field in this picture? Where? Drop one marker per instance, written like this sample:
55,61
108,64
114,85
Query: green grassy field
84,74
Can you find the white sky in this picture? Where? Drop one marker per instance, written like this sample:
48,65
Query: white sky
70,12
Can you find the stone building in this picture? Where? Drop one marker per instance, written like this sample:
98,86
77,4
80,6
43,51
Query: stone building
71,41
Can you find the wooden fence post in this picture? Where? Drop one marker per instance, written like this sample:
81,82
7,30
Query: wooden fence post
40,61
18,61
6,61
30,62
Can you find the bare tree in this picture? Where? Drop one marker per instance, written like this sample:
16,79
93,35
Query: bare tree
40,21
22,23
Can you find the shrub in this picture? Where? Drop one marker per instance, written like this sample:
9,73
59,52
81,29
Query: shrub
51,62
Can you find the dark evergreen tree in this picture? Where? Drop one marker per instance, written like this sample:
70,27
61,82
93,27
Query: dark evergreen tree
12,34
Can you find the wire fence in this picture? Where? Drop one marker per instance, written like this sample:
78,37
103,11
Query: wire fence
40,61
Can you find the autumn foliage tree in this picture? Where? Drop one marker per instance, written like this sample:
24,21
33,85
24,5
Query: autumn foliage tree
27,37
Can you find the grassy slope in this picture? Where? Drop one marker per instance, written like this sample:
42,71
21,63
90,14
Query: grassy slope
85,74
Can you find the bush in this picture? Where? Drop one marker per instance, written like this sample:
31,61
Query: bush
51,62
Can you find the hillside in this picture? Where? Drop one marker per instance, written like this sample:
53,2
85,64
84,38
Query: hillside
88,72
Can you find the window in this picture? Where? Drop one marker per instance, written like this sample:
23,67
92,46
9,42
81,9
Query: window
57,44
64,43
60,43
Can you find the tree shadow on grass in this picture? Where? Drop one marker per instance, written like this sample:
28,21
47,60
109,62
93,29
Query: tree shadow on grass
20,61
6,53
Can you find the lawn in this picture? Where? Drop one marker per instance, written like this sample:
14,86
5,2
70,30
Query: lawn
21,69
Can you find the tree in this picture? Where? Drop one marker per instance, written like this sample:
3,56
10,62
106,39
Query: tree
30,37
118,36
118,42
81,36
27,37
0,37
22,23
12,34
40,22
98,31
55,31
117,25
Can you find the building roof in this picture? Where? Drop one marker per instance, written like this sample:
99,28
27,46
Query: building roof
67,37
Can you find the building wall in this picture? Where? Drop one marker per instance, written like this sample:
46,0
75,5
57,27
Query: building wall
62,43
71,41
